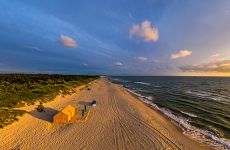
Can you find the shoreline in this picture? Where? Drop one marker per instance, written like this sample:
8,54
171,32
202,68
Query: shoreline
129,124
161,113
201,136
141,99
152,107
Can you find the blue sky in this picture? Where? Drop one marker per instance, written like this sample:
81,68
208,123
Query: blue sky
145,37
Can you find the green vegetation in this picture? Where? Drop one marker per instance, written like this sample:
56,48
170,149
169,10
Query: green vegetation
8,116
18,89
40,108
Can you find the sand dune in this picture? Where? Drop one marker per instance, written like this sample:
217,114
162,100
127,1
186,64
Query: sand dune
119,121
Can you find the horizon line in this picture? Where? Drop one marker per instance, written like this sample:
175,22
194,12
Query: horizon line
113,75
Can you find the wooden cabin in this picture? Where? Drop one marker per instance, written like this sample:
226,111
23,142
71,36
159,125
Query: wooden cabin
65,115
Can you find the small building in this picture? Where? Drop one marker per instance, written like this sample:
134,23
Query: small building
65,115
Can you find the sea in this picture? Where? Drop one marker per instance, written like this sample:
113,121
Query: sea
200,106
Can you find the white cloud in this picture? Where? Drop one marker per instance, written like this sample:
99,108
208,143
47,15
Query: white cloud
68,41
33,48
218,66
85,64
119,64
141,58
180,54
144,31
215,55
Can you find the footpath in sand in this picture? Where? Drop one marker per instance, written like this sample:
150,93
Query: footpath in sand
119,121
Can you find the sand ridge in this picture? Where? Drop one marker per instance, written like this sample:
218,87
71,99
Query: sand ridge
119,121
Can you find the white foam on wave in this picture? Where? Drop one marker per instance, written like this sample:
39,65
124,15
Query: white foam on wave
119,80
157,86
150,98
196,93
189,114
212,96
200,135
144,83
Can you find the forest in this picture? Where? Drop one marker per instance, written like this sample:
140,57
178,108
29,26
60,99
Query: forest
16,90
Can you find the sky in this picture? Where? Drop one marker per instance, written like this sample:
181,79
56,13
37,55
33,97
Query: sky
115,37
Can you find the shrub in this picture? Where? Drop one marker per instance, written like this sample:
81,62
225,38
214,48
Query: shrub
40,108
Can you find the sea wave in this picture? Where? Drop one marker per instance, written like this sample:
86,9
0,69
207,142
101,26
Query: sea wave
119,80
208,95
189,114
143,83
201,135
157,86
150,98
196,93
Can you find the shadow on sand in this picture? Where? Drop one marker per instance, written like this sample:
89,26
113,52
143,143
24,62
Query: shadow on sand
85,103
47,115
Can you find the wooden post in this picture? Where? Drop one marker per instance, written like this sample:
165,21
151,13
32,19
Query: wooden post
82,112
85,108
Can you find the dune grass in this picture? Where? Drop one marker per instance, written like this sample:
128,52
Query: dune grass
16,90
8,116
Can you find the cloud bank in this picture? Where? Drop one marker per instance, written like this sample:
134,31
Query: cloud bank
181,54
144,31
219,66
68,41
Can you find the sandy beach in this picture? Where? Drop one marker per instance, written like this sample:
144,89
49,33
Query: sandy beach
119,121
